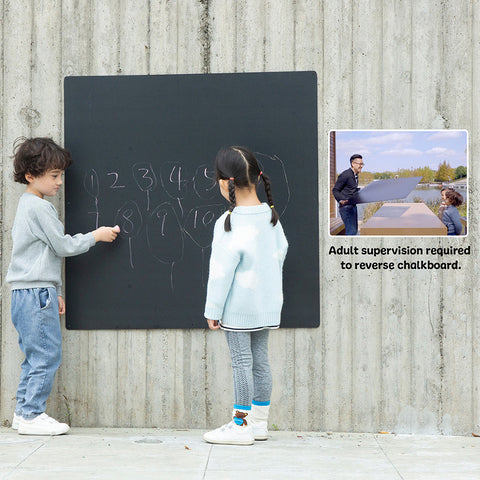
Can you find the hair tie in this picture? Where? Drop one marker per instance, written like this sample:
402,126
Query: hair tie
229,212
231,178
272,206
260,174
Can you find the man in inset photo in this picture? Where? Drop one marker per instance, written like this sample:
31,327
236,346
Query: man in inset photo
345,191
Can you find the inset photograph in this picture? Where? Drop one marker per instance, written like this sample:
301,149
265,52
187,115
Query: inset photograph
398,182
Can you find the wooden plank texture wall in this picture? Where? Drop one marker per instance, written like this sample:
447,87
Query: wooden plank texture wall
396,351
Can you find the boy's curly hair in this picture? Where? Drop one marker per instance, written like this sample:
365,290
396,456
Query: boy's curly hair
37,156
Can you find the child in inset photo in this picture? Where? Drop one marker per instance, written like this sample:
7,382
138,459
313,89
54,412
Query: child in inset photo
443,205
451,217
34,274
244,293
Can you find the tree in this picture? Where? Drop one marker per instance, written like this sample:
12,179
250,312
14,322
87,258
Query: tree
460,172
427,174
445,172
382,175
366,177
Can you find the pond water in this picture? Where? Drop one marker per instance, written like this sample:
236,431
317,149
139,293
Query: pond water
426,194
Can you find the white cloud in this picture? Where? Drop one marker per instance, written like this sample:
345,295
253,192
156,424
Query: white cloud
371,145
403,151
347,149
398,137
216,270
242,235
440,151
247,279
445,135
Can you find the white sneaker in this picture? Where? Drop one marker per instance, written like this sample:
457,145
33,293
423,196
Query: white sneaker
260,430
42,425
16,421
231,434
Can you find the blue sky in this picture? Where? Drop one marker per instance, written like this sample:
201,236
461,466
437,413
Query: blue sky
395,149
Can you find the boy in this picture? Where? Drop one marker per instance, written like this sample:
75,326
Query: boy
34,274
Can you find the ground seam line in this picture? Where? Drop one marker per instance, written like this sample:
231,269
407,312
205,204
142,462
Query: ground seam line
208,460
387,457
24,460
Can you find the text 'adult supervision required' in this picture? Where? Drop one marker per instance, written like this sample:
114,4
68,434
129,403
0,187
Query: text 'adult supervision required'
368,260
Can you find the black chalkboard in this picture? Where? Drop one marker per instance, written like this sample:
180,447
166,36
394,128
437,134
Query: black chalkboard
143,150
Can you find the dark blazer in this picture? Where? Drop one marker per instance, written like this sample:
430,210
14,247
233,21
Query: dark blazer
346,187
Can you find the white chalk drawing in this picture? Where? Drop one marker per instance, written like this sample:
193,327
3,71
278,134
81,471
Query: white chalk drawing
115,180
199,223
204,182
198,226
165,232
90,183
281,186
130,221
165,236
174,181
145,179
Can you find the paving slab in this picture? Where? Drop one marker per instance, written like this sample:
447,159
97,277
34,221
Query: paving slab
138,454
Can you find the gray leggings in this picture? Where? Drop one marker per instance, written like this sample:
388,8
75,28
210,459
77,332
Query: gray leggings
252,378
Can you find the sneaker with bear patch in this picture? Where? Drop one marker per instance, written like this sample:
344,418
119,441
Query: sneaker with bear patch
237,432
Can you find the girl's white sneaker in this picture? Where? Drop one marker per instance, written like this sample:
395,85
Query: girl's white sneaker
231,434
260,430
42,425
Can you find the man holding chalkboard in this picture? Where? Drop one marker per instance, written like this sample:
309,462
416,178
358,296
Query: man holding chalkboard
345,192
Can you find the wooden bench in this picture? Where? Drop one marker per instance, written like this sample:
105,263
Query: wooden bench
464,223
336,226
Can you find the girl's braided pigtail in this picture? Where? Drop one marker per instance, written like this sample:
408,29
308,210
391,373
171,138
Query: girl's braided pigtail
268,192
233,201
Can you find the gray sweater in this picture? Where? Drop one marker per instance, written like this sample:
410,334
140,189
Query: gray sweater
39,244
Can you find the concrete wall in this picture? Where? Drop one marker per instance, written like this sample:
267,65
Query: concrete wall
395,351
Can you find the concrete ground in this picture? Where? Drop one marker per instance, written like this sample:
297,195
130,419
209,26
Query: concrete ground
87,453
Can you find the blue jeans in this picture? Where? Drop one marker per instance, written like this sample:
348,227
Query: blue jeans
35,316
350,219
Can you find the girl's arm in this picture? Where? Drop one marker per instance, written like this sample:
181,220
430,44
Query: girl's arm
457,222
223,264
282,243
441,209
446,218
452,218
213,324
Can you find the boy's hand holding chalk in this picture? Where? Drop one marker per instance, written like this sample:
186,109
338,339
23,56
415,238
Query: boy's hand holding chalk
106,234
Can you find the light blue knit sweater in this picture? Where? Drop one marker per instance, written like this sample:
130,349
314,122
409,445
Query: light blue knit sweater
244,289
39,243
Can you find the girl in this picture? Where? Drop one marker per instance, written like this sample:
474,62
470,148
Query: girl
451,217
443,205
244,292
